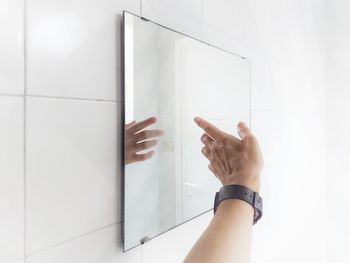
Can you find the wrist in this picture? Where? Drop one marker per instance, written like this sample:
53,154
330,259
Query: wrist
232,204
253,184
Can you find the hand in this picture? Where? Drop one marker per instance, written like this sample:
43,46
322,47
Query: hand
233,161
136,140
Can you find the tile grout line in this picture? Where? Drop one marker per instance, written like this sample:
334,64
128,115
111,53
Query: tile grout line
250,46
202,20
72,98
11,95
179,10
58,97
24,129
269,110
140,8
71,239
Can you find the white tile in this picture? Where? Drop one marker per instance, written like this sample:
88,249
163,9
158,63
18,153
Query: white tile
11,179
224,15
289,30
189,7
338,34
271,79
272,131
276,215
271,26
71,169
276,175
74,47
102,246
174,245
11,47
287,216
266,25
225,41
166,15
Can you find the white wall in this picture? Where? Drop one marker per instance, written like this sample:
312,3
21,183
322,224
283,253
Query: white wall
338,130
59,136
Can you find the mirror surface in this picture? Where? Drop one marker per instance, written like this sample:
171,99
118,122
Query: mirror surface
174,78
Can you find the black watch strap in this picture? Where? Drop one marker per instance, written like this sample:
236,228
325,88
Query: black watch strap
243,193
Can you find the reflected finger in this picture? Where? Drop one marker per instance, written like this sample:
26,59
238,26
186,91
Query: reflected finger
144,145
141,125
144,156
148,134
128,125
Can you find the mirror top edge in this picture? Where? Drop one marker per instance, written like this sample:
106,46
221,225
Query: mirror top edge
125,12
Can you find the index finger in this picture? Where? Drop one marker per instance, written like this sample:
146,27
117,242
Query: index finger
209,128
141,125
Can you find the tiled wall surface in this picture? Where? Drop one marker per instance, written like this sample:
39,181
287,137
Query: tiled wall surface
60,104
338,130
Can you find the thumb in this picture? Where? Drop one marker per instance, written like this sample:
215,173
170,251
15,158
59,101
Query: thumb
243,130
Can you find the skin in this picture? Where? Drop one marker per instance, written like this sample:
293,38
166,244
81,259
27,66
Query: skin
232,161
137,139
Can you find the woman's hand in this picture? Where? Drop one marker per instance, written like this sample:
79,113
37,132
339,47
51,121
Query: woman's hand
232,160
136,140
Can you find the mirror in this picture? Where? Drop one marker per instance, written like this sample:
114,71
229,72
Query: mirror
172,77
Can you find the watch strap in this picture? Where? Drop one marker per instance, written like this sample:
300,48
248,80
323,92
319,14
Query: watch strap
243,193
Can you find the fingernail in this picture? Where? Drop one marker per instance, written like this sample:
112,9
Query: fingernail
205,150
241,125
197,119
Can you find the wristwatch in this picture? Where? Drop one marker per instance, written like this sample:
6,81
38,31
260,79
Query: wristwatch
243,193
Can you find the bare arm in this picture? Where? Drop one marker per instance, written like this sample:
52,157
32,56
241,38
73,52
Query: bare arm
233,161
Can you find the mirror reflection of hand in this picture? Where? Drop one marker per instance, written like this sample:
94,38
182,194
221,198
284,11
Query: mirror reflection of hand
137,140
233,161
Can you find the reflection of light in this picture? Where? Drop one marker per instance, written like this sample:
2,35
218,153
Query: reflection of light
129,69
58,32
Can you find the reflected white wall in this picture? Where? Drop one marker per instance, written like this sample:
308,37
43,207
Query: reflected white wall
142,179
177,78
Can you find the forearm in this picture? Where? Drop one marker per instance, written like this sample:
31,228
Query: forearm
228,236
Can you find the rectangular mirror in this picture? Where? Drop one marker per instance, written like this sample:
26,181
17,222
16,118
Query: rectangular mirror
174,78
